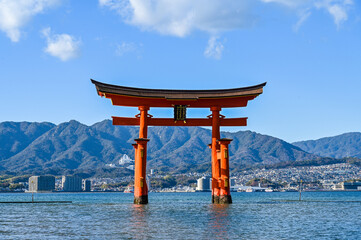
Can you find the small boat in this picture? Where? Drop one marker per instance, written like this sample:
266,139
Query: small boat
269,190
129,189
250,190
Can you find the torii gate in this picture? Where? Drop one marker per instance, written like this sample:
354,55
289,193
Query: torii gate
180,100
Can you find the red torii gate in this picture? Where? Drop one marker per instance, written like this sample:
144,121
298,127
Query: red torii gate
180,100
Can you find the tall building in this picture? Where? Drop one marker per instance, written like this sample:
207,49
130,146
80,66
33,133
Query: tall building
71,184
86,185
204,184
41,184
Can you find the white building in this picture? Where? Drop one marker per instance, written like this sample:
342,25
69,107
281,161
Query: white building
204,184
125,159
111,165
130,167
72,184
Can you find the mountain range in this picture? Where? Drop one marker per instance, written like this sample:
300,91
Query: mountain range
29,147
344,145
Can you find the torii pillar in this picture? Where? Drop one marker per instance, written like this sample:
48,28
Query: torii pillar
216,170
225,193
140,168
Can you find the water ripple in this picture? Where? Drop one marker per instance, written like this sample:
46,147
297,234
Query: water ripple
183,216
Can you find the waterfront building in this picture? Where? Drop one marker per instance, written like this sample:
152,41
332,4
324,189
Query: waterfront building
41,184
71,184
355,186
203,184
86,185
338,187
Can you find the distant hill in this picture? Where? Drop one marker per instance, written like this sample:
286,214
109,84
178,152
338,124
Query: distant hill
16,136
344,145
45,147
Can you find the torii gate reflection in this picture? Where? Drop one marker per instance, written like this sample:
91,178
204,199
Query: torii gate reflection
180,100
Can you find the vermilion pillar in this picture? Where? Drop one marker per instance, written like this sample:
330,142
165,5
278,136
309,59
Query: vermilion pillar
225,195
143,123
140,183
135,145
135,149
216,174
136,173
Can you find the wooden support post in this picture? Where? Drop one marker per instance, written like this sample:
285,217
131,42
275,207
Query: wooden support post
135,151
140,176
140,168
225,195
215,146
143,123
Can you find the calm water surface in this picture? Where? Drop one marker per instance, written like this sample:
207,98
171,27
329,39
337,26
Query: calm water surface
323,215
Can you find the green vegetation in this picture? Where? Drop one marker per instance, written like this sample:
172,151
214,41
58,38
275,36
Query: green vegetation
14,179
4,185
16,186
354,161
13,182
170,181
4,178
264,183
353,180
256,181
116,185
165,182
316,162
236,167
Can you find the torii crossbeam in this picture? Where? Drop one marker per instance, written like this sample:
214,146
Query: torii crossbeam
180,100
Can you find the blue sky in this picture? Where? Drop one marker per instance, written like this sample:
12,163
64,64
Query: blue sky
308,52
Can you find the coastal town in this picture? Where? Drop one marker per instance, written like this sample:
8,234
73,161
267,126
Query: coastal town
335,177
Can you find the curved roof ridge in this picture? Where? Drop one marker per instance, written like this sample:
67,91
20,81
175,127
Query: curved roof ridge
131,96
117,87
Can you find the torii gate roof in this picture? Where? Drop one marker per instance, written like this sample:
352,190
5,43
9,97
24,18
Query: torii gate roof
134,97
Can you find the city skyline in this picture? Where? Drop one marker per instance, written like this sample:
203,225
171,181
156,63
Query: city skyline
308,52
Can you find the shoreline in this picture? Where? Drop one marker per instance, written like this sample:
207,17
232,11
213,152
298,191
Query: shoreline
59,192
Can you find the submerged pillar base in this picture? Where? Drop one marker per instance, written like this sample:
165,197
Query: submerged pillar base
225,199
141,200
215,199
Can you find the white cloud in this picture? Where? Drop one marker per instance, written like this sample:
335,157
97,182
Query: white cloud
121,6
338,13
181,17
14,14
127,47
62,46
303,17
214,48
289,3
337,8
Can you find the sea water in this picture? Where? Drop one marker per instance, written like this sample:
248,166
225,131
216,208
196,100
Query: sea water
321,215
